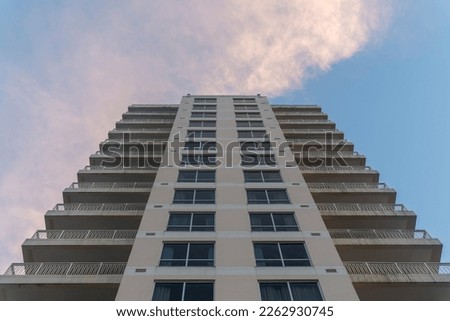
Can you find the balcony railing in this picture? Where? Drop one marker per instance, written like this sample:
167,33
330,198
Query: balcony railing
110,185
328,153
305,121
318,141
387,268
371,186
145,120
66,268
318,130
102,207
356,207
127,130
83,234
102,168
332,169
379,234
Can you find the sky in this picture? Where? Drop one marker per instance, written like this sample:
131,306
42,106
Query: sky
69,69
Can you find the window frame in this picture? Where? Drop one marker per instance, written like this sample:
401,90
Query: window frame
202,146
252,134
198,159
187,259
285,262
192,227
290,291
194,200
191,134
274,227
184,285
203,114
267,196
258,160
202,123
205,100
263,178
250,123
196,178
245,107
204,107
244,100
247,115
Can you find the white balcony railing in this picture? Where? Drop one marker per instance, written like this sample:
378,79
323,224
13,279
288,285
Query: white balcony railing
84,234
371,186
66,268
379,234
101,207
360,207
332,169
111,185
387,268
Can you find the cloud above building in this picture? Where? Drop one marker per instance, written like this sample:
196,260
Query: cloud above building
85,61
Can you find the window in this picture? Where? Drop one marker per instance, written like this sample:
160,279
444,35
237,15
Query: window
202,123
204,146
203,115
262,176
204,107
191,222
187,254
249,123
248,115
205,100
196,160
201,134
245,107
267,196
273,222
290,291
253,146
244,100
183,291
254,159
281,254
196,176
251,133
194,196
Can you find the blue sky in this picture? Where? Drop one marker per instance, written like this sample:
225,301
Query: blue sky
68,69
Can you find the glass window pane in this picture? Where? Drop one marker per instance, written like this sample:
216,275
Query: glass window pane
244,134
307,291
173,255
205,197
209,134
183,197
274,292
195,123
199,292
261,222
203,219
285,221
179,222
256,197
201,255
242,124
267,254
168,292
293,251
272,176
252,176
206,176
186,176
278,197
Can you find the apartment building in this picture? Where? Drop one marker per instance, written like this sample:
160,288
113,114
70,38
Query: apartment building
228,198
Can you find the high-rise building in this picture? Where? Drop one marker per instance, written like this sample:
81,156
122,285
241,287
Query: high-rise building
228,198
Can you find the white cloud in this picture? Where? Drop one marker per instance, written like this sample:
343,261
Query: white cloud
88,68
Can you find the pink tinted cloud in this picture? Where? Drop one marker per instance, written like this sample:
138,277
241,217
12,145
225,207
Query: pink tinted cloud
141,51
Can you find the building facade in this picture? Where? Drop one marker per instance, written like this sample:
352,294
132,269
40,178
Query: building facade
228,198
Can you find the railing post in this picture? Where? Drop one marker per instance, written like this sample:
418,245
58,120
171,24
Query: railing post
70,268
398,268
38,269
368,268
428,268
99,268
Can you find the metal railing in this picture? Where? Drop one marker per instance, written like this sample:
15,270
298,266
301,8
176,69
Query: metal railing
356,207
371,186
377,268
328,153
146,120
134,130
83,234
134,140
309,130
66,268
379,234
318,141
110,185
327,121
103,168
332,169
122,207
131,153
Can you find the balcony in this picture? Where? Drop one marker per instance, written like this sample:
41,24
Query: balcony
306,124
143,133
329,158
352,192
117,160
148,115
62,281
312,133
152,108
95,216
119,174
366,216
303,145
144,123
400,281
328,174
386,245
79,245
113,192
